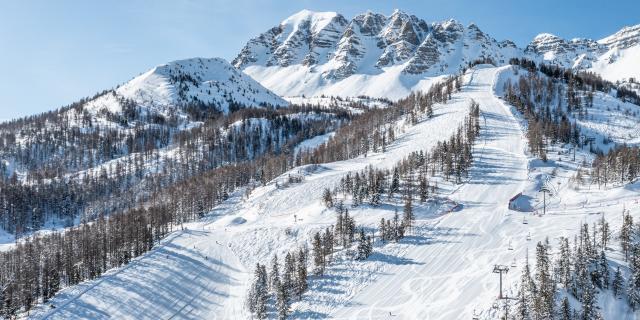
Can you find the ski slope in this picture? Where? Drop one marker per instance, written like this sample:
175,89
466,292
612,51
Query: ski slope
455,272
189,276
441,272
202,272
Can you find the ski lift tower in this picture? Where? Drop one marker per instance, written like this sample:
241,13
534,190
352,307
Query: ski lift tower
544,191
500,269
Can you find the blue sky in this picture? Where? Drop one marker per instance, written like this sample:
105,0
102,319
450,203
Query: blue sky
55,52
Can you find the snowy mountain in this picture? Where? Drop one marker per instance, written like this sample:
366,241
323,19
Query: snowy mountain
614,57
211,82
183,194
314,53
174,121
323,53
204,269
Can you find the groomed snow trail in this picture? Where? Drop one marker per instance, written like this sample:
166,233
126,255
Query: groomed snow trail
203,272
450,277
192,274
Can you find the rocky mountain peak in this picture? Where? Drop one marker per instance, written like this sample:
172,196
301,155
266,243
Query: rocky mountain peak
325,48
623,39
212,82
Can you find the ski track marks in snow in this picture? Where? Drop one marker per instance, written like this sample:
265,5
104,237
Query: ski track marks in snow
441,271
456,273
187,285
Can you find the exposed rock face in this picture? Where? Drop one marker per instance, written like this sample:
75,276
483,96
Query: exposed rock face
582,53
332,49
626,38
312,39
304,38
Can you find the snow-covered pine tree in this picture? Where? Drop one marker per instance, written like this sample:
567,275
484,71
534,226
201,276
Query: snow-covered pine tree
274,275
301,273
423,188
327,198
545,297
289,273
262,293
364,245
396,226
383,230
327,245
339,227
252,294
564,263
633,287
565,310
525,294
625,234
580,274
257,296
408,217
589,311
376,195
395,183
282,301
602,270
617,284
350,229
318,254
605,233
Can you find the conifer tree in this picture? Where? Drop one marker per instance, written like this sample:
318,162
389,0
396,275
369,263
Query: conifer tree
546,287
565,309
282,301
327,241
395,183
633,288
625,234
318,254
617,284
274,275
397,226
364,245
423,188
564,263
262,292
604,232
603,271
383,230
588,302
288,274
257,297
525,294
301,274
408,217
327,198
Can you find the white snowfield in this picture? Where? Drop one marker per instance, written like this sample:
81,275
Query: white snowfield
210,81
454,274
441,271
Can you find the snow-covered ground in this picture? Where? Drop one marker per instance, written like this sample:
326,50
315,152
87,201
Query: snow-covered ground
441,271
